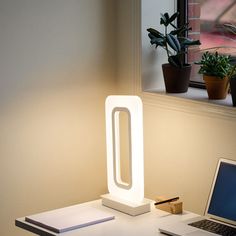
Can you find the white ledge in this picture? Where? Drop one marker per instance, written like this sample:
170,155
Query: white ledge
194,101
196,94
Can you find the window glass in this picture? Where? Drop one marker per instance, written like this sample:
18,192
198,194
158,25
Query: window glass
214,23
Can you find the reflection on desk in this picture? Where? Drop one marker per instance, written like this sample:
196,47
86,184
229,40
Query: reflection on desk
122,225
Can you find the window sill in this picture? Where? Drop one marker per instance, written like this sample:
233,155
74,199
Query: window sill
194,101
196,94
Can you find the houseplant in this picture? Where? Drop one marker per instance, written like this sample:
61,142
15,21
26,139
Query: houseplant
232,79
176,73
216,70
232,29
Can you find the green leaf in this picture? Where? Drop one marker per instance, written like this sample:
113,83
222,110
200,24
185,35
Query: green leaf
165,19
189,42
173,17
215,65
173,42
155,33
156,40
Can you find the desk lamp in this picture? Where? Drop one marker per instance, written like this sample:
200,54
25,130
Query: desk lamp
125,197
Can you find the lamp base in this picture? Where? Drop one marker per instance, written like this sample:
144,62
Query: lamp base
124,206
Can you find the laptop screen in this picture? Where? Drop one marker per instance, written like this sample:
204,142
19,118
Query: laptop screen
222,202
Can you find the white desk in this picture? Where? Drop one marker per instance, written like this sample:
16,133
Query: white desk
123,224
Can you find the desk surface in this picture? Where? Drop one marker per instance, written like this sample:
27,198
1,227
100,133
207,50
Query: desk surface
122,225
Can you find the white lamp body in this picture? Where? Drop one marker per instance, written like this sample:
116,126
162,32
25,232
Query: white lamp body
130,194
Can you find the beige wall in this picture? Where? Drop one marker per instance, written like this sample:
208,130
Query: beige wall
182,150
57,65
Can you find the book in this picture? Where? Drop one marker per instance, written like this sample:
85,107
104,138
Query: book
69,218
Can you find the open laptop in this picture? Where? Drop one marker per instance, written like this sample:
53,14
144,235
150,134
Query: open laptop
220,213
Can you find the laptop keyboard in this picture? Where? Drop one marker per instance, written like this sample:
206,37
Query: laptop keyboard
214,227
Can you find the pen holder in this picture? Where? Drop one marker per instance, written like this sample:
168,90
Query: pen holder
174,207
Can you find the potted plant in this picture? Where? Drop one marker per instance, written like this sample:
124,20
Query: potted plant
232,29
216,70
232,82
176,73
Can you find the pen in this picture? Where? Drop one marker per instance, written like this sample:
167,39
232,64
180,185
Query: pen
167,200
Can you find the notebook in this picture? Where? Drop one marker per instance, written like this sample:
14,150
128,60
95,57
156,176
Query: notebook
220,213
69,218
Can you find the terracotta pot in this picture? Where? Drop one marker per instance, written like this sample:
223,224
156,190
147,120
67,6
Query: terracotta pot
217,88
176,79
233,90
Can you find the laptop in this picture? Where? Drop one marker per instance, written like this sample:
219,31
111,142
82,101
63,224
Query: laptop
220,213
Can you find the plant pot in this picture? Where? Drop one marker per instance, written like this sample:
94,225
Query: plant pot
176,79
233,90
217,88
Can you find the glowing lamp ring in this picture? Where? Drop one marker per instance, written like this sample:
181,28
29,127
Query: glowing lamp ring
134,191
